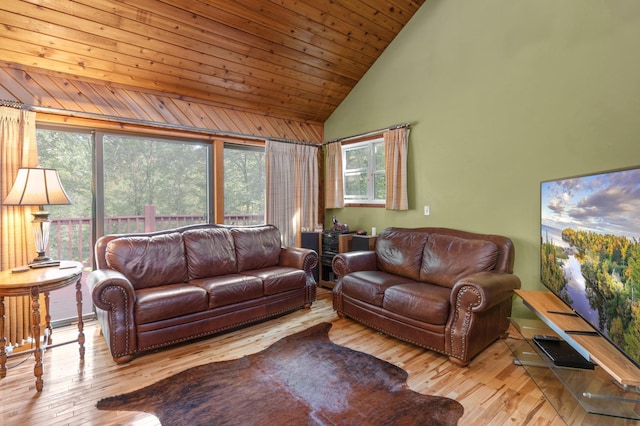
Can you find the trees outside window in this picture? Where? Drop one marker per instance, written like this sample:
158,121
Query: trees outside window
142,172
364,172
244,184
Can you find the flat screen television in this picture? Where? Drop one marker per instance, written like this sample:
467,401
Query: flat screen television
590,251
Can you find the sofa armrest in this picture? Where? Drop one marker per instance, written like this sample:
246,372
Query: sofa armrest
299,258
112,292
480,306
488,289
353,261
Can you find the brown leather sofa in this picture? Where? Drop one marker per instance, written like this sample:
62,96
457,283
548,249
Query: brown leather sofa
156,289
442,289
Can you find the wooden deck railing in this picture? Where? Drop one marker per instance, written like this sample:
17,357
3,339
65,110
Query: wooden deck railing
72,238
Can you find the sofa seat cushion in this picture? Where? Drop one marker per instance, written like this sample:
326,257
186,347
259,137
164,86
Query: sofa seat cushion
370,286
169,301
447,258
278,279
210,252
423,302
230,289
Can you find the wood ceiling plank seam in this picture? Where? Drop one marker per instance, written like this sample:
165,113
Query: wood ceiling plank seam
5,94
234,122
266,19
31,29
12,82
103,106
288,55
229,17
198,116
371,14
336,9
312,22
178,109
336,23
166,108
61,91
315,133
253,125
149,104
409,8
33,92
128,77
215,121
111,97
394,11
280,126
133,109
263,126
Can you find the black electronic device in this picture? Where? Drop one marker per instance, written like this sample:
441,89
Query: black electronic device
561,353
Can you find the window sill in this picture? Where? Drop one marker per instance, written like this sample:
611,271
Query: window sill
364,205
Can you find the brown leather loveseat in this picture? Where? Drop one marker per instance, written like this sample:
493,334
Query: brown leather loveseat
442,289
156,289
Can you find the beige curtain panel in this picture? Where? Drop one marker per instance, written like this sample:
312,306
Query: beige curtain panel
396,146
18,148
333,184
292,188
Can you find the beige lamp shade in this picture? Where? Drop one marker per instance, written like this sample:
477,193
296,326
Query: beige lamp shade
37,187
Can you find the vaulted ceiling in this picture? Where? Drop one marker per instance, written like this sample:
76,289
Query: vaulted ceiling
294,59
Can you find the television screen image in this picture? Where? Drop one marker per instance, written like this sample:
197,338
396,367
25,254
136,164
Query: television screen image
590,251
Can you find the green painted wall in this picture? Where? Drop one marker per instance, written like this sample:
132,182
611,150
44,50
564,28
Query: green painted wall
502,95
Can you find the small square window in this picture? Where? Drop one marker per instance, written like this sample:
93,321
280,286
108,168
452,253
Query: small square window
364,172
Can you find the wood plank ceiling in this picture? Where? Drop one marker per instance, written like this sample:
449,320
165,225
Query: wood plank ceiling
295,59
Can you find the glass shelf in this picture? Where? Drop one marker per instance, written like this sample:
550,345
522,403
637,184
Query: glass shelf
577,395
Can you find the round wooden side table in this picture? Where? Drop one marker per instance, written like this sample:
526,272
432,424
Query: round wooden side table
32,282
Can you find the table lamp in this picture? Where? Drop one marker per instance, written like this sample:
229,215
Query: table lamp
38,187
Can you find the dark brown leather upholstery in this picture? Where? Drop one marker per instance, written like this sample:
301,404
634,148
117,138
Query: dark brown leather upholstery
443,289
156,289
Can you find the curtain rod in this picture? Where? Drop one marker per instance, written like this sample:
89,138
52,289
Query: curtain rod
156,124
12,104
371,133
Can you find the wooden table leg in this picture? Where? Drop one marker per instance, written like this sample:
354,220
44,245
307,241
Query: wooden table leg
3,342
47,318
80,322
37,369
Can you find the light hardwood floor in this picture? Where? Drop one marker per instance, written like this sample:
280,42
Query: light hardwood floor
492,389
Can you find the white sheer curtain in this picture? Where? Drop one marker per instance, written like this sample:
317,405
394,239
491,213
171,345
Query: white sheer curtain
396,146
333,181
292,188
18,148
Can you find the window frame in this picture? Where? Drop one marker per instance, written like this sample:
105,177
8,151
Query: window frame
372,172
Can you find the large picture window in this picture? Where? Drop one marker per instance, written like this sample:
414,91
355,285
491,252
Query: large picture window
244,184
153,184
364,172
122,183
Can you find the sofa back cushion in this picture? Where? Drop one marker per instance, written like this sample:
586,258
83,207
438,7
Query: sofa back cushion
399,251
148,261
257,247
210,252
448,258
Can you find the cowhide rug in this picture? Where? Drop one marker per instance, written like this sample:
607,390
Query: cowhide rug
303,379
